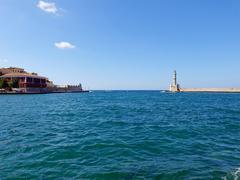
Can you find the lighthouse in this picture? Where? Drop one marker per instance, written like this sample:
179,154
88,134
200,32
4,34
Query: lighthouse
174,87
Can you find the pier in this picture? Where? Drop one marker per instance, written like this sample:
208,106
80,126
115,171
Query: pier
175,87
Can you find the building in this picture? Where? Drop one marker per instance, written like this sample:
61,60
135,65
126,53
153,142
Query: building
11,70
69,88
174,86
16,79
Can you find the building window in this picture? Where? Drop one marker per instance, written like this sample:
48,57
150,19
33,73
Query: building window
29,80
43,81
36,80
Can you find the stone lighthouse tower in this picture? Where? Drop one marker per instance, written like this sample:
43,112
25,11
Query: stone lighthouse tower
174,87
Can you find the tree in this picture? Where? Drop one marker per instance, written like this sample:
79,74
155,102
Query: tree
10,84
1,83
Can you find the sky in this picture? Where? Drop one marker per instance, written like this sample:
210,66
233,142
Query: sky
124,44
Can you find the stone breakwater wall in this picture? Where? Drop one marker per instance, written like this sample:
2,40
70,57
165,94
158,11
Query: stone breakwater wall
226,90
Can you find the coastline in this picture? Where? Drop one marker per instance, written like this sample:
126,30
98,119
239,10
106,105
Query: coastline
175,87
31,93
213,90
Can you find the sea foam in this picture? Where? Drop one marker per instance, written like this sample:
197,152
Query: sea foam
233,175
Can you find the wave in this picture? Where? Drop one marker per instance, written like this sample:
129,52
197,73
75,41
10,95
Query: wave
235,175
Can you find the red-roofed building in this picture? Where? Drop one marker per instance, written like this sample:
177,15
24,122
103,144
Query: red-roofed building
17,78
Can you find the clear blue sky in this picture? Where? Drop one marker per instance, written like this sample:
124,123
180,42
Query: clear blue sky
124,44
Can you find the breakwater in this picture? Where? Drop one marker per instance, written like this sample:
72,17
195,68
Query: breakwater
175,87
224,90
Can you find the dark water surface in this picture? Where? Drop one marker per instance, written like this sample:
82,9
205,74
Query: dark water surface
120,135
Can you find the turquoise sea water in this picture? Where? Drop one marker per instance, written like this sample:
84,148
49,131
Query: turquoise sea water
120,135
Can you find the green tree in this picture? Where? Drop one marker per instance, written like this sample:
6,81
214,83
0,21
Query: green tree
1,83
5,84
10,84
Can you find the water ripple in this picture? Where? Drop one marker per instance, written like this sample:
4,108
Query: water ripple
120,135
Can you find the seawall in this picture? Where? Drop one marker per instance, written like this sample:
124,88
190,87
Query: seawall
224,90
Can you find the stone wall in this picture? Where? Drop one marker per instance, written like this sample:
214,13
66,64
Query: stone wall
230,90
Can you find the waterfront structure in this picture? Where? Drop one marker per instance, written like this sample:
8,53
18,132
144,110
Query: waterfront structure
67,88
215,90
25,82
175,87
17,80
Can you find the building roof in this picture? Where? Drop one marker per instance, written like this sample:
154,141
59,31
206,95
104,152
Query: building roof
13,68
10,75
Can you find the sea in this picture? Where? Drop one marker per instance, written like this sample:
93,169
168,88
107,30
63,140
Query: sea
120,135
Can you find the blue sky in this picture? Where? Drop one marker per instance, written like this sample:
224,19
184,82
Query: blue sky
124,44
